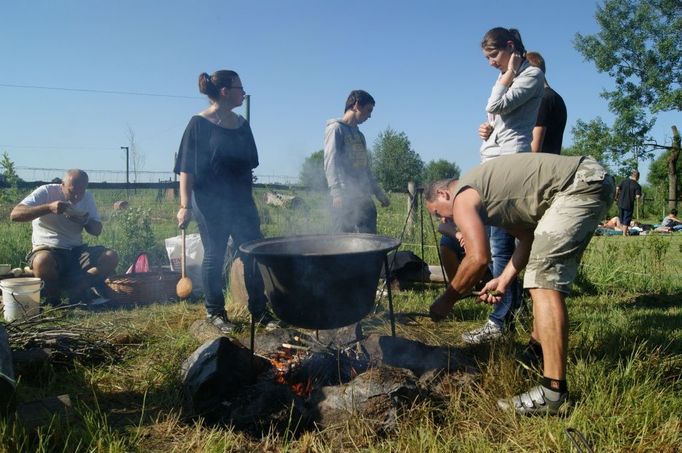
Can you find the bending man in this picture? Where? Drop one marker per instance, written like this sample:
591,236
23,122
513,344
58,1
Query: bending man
552,205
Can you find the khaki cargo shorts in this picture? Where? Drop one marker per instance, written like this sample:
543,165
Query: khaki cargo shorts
563,232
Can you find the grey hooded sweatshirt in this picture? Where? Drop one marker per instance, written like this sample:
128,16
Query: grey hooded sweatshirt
346,162
513,113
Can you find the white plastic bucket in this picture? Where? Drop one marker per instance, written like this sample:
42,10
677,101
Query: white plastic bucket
21,297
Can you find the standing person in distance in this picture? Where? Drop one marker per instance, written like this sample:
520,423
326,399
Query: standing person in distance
215,162
548,133
346,166
512,110
627,192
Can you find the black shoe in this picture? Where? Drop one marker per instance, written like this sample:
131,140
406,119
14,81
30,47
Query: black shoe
220,322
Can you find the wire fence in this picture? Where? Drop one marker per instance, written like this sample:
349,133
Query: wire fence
309,215
133,176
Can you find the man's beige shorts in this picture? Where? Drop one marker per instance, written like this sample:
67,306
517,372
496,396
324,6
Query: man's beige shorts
563,232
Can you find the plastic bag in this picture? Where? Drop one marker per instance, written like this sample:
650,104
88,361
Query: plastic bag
195,256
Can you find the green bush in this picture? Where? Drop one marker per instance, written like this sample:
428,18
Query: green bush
131,231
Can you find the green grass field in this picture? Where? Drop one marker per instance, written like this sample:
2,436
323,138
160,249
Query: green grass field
625,358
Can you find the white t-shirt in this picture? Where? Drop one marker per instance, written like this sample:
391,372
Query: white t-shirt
55,230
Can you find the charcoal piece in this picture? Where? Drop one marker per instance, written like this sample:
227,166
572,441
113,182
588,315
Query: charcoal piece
329,368
265,407
217,371
413,355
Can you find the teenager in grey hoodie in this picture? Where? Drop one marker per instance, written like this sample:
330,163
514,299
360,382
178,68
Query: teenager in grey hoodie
346,165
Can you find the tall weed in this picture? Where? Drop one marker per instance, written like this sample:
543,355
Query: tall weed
130,232
632,264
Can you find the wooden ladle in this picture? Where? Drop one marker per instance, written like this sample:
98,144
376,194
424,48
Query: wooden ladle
184,287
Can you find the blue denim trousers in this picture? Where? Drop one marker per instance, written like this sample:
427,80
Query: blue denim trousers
218,222
502,245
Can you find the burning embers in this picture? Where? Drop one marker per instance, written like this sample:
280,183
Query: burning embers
284,362
296,377
304,368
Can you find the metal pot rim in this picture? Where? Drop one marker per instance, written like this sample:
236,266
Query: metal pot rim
252,247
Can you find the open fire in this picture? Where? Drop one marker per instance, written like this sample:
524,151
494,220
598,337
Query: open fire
305,368
285,362
297,382
293,381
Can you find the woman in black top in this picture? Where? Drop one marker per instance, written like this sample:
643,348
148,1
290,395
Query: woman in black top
215,162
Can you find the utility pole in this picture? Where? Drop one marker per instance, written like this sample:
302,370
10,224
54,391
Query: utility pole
127,169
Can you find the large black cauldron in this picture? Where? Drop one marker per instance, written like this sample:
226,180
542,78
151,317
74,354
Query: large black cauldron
321,281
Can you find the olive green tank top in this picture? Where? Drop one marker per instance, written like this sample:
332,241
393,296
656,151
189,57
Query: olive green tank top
517,189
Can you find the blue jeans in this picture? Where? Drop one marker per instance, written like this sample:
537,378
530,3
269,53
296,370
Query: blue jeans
625,216
218,221
502,245
453,244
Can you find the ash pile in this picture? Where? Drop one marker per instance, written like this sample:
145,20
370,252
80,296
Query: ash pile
298,380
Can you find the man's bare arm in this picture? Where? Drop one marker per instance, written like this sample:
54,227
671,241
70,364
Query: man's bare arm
468,220
465,213
493,290
25,213
93,227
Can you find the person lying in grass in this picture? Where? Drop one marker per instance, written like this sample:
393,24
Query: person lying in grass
552,205
612,223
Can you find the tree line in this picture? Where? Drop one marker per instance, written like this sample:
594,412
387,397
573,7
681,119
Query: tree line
639,45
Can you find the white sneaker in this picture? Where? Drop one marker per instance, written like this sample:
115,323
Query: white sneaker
534,402
489,332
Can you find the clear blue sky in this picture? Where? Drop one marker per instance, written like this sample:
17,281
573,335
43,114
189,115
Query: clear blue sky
297,59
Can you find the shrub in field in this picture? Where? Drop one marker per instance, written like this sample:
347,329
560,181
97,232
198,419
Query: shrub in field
131,233
9,180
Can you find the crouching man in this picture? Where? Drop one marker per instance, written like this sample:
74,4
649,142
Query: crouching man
59,213
552,205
